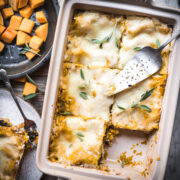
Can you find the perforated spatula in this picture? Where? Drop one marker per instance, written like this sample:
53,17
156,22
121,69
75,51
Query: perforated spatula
145,63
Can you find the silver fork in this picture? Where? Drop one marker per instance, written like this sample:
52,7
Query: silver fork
29,125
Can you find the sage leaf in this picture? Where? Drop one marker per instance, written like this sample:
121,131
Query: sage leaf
30,80
82,74
80,134
146,108
120,107
146,94
30,96
158,44
83,95
66,113
117,43
137,48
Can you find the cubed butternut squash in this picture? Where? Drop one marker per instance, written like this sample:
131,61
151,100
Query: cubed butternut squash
22,3
2,4
1,46
29,88
26,12
22,37
1,19
14,4
35,42
31,55
36,3
42,31
21,80
40,16
15,22
7,12
8,35
27,25
2,28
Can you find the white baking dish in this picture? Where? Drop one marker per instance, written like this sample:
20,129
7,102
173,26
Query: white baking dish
160,139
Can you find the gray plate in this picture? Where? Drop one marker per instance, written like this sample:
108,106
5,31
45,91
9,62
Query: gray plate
28,169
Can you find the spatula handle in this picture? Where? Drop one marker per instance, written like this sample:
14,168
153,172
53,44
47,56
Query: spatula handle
169,40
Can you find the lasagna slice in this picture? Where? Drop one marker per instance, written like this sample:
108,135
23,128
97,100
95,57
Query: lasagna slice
12,144
76,140
82,91
140,32
94,39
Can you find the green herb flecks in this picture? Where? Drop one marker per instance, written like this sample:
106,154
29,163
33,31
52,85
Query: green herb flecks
146,108
66,113
80,136
27,49
117,43
122,163
104,40
137,104
158,44
82,74
30,96
83,95
120,107
137,48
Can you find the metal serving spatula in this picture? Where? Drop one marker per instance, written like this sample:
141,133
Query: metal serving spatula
145,63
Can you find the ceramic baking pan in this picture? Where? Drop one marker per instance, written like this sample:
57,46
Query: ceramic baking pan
155,150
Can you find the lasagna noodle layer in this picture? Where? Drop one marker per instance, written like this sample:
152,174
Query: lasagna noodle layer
140,32
76,140
87,29
12,142
92,85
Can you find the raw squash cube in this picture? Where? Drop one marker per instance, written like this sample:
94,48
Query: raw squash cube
22,37
14,4
1,19
26,12
35,42
40,16
8,35
22,3
27,25
36,3
42,31
31,55
21,79
1,46
7,12
2,28
2,4
15,22
29,88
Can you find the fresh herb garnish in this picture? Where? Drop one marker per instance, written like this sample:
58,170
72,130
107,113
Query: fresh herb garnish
146,94
83,86
158,44
83,95
30,96
120,107
80,136
136,104
117,43
82,74
122,163
146,108
26,49
66,113
137,48
104,40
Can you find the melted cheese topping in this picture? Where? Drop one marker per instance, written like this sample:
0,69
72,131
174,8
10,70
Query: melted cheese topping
87,26
11,151
89,113
79,141
94,85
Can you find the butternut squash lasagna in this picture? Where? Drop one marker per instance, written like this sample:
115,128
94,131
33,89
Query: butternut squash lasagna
12,144
98,47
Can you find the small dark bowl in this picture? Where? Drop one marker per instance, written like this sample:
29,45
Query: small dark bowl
18,65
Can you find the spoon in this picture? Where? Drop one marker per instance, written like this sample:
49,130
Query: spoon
29,125
145,63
